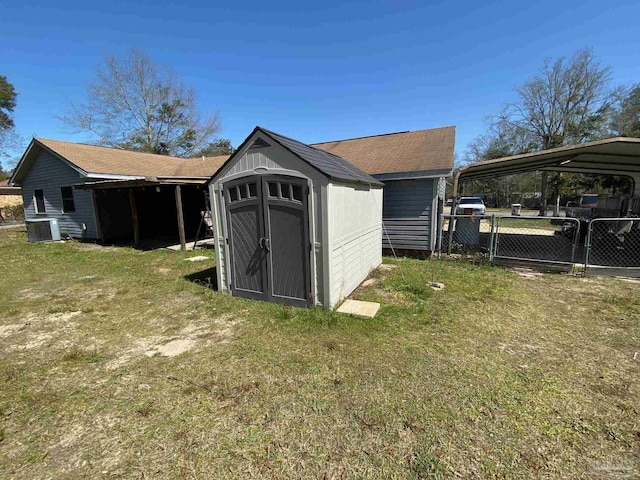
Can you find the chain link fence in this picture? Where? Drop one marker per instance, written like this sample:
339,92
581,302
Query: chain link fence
604,246
613,247
465,234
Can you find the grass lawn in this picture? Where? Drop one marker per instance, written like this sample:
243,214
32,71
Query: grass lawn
496,376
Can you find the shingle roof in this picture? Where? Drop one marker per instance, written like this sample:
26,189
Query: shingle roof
113,161
330,164
420,150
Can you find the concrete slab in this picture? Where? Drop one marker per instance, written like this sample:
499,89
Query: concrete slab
199,258
359,308
206,243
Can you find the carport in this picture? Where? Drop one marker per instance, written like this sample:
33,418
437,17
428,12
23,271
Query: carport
613,156
603,244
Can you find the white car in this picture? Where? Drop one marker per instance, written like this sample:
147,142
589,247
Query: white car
470,206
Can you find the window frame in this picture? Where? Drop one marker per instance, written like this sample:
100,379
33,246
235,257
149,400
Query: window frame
35,202
71,198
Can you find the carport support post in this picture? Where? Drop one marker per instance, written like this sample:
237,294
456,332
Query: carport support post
543,195
134,217
183,243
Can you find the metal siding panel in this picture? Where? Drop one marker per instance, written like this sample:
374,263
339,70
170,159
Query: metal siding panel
408,211
49,174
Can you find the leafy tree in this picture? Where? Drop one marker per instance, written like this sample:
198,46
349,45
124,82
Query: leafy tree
8,97
10,141
625,120
135,104
221,146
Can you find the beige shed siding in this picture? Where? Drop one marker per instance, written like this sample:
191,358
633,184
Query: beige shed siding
277,161
355,236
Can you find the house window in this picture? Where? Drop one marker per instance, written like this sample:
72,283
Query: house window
68,205
38,200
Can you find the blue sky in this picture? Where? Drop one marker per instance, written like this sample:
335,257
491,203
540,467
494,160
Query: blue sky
312,70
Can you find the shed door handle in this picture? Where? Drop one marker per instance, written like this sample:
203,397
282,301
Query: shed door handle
267,244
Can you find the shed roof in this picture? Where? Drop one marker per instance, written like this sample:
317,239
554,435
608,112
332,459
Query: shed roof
420,150
98,160
330,164
333,166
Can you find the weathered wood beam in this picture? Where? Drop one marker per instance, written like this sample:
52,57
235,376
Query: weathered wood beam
134,218
183,242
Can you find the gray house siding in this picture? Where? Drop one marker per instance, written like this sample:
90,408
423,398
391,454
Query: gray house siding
408,213
49,174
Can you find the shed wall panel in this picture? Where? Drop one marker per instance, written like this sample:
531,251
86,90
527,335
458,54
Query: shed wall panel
49,174
355,236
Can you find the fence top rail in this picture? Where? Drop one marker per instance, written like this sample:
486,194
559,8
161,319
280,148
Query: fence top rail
538,219
448,215
621,219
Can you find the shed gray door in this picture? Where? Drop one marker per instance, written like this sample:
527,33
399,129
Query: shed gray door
246,238
287,231
269,239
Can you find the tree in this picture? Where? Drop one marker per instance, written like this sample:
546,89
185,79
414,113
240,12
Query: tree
8,97
10,141
567,102
625,120
217,147
135,104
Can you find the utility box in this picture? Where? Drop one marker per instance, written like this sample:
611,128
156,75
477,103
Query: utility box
43,230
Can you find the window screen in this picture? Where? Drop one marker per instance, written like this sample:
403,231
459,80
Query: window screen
38,196
68,205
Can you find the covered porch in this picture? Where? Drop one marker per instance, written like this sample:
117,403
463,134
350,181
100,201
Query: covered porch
149,213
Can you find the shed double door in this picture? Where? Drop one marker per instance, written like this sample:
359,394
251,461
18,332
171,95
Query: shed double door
268,237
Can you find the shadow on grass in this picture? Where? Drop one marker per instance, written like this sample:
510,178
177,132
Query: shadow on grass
207,278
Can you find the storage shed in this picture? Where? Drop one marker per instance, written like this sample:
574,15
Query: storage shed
293,224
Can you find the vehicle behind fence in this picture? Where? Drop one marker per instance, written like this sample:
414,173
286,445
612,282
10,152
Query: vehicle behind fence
607,246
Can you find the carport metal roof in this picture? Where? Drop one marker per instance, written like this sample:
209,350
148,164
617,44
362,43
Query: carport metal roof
613,156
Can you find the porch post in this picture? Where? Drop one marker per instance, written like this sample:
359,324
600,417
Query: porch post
183,244
134,218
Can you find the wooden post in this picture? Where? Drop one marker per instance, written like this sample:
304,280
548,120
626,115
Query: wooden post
183,243
134,218
543,195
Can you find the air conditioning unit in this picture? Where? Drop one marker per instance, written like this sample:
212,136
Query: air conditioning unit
43,230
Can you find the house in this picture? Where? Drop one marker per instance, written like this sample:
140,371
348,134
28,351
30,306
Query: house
413,166
293,224
113,195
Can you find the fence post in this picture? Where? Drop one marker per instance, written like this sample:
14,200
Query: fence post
491,237
576,238
439,241
587,246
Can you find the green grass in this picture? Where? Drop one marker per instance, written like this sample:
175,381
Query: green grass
496,376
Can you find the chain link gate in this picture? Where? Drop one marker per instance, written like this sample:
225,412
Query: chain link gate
613,247
551,242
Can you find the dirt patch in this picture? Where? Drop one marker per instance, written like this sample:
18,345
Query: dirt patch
92,247
36,330
527,272
193,336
